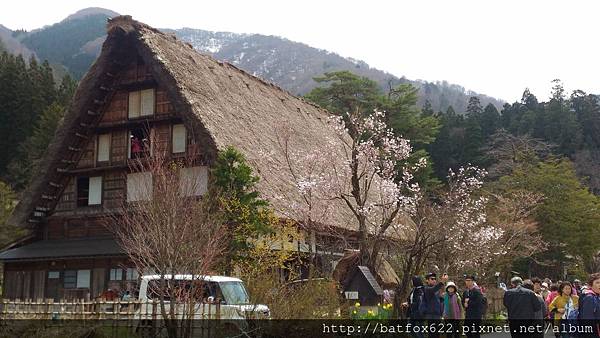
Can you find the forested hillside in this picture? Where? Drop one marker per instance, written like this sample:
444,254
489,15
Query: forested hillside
541,154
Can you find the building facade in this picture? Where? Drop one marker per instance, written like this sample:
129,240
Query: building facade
146,91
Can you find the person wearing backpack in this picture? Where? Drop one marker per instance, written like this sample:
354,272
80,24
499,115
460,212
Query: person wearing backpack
413,304
589,306
474,304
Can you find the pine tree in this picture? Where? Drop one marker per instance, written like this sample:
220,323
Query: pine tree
474,136
490,121
33,149
427,109
345,92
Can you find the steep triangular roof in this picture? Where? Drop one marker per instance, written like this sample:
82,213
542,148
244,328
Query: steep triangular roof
221,103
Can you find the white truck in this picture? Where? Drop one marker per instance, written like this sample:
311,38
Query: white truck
216,297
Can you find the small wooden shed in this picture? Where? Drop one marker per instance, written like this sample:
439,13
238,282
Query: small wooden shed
363,287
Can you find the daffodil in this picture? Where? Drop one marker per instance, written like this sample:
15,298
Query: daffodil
357,304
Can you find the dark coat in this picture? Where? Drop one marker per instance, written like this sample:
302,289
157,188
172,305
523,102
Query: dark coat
589,312
521,303
433,301
589,306
413,298
475,307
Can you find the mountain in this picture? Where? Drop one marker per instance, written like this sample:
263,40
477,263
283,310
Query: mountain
75,42
10,43
293,65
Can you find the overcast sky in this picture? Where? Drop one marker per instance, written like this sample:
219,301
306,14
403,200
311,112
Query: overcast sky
495,47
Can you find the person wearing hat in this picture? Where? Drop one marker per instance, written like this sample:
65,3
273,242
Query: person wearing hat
432,300
473,302
452,313
522,305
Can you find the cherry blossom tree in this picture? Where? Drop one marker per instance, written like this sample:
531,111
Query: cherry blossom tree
365,169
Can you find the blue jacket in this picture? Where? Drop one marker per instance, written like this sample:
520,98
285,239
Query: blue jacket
589,306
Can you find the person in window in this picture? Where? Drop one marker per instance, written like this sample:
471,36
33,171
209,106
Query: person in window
136,147
145,146
109,295
126,296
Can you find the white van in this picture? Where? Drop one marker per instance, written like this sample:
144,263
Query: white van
218,297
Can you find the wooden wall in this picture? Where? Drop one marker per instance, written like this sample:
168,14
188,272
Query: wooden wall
29,280
67,227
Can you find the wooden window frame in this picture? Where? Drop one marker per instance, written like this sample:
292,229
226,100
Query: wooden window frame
185,139
109,135
139,93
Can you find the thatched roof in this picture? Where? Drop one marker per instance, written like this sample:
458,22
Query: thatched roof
221,104
385,274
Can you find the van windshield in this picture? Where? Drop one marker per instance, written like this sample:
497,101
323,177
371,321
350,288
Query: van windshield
234,293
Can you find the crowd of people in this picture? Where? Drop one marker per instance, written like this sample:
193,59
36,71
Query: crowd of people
533,306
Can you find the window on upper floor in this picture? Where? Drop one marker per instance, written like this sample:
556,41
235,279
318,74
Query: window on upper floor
139,143
103,148
89,191
141,103
179,138
193,181
139,187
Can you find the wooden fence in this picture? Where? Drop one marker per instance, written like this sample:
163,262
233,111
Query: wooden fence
80,309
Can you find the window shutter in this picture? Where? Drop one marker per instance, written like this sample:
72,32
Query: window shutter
139,187
103,147
95,191
179,138
193,181
147,105
134,104
83,278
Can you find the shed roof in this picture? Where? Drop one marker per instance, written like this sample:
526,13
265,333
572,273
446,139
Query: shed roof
65,248
366,273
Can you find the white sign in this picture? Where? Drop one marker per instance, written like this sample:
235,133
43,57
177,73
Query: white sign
351,294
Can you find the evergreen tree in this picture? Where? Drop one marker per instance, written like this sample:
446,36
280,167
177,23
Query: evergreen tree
405,119
490,121
27,90
427,109
345,92
447,152
246,214
474,135
66,90
16,115
33,149
569,215
474,108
